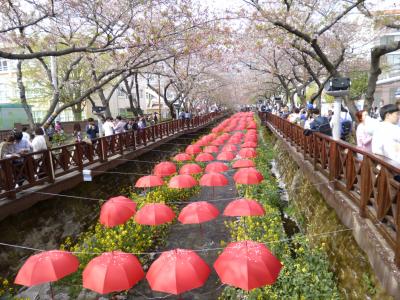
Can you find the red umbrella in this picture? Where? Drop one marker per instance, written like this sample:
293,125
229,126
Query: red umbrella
182,182
177,271
213,179
217,142
247,265
202,157
149,181
249,145
244,207
112,272
198,212
247,153
165,168
182,157
216,167
211,149
154,214
229,147
45,267
248,176
243,163
226,156
190,169
193,149
117,211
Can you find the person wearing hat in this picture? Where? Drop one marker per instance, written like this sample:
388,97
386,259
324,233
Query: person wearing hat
386,138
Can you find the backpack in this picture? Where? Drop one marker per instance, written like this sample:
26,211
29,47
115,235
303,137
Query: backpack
322,125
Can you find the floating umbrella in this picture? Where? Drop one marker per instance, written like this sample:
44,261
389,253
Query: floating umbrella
182,157
193,149
216,167
190,169
198,212
45,267
247,153
154,214
149,181
244,207
249,145
203,157
182,182
211,149
217,142
213,179
248,176
229,147
165,168
228,156
243,163
112,272
247,265
117,211
177,271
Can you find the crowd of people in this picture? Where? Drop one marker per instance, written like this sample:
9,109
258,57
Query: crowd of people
377,131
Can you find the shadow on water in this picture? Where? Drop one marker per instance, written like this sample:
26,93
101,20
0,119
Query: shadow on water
46,224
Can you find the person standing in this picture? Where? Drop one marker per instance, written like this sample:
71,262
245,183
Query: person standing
155,118
7,146
25,134
119,126
92,129
39,142
386,138
108,127
21,146
364,139
77,132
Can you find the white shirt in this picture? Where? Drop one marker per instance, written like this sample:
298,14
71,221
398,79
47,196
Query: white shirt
38,144
108,128
386,141
25,136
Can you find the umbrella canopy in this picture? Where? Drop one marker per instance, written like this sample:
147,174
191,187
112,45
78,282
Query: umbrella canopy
149,181
216,167
193,149
247,153
211,149
112,272
202,157
248,176
190,169
244,207
249,145
154,214
45,267
247,265
182,182
213,179
198,212
177,271
182,157
117,211
229,147
243,163
228,156
165,168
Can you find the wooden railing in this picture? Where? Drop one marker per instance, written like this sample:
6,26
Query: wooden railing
26,171
369,181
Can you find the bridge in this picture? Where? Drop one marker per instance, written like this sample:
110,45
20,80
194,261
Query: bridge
33,177
360,186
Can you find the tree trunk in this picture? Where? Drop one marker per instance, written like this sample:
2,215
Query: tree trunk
77,111
22,95
137,93
104,102
374,72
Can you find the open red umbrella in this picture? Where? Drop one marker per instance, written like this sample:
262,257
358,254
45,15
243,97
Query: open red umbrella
228,156
45,267
154,214
247,153
243,163
165,168
177,271
211,149
247,265
248,176
244,207
182,157
229,147
149,181
213,179
182,182
116,211
190,169
198,212
216,166
112,272
249,145
193,149
217,142
203,157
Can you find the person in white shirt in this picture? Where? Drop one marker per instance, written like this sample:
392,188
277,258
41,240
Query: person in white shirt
386,138
108,127
39,142
25,135
119,126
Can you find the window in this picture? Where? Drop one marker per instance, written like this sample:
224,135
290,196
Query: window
3,65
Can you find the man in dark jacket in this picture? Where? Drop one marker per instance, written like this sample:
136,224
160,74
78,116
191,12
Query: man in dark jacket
320,123
91,129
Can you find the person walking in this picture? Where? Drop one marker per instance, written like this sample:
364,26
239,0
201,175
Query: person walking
39,142
7,146
77,134
91,129
155,118
119,125
108,127
364,138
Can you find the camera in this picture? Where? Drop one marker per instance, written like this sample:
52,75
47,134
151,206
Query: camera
98,109
338,86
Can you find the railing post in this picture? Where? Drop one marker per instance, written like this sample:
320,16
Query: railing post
103,144
49,166
333,161
9,178
153,136
366,185
134,139
78,155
